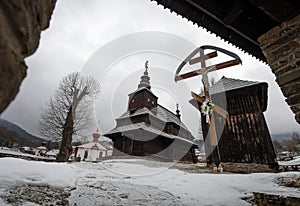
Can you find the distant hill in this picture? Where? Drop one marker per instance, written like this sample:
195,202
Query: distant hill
282,137
11,133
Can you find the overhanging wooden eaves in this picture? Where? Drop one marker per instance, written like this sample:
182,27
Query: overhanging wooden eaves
240,22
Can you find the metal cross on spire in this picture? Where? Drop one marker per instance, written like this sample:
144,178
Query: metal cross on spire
206,100
98,126
146,65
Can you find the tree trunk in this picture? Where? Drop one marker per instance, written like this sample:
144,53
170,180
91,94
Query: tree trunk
66,144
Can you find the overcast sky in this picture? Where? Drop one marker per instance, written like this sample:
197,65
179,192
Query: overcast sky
81,34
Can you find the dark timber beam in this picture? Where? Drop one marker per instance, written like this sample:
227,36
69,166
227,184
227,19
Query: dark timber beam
278,10
245,40
233,11
198,6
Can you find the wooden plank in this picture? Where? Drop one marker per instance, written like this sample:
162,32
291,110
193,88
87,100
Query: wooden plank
197,97
227,64
208,69
212,131
199,59
189,74
216,108
234,9
221,111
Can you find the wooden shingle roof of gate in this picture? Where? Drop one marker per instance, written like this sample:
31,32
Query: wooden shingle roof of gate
240,22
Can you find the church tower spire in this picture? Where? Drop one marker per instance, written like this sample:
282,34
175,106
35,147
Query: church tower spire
145,79
143,96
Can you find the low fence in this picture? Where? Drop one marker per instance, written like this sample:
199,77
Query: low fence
15,154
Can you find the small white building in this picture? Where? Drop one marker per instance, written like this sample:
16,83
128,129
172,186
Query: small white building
92,151
52,153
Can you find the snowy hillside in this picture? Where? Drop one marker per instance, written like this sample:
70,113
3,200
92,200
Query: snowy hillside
127,182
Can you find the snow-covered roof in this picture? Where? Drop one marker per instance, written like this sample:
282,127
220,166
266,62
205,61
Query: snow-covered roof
104,139
41,148
91,145
140,89
162,113
51,153
227,84
27,148
168,116
143,126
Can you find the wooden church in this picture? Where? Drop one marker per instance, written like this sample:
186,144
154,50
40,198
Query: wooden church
244,136
149,129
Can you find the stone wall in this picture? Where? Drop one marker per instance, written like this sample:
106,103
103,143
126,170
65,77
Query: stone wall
262,199
281,46
21,24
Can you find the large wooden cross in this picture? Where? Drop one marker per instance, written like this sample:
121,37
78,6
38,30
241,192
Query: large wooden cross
204,70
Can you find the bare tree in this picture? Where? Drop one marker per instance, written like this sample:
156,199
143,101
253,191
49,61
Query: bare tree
69,111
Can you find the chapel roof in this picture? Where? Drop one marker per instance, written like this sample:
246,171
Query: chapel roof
90,145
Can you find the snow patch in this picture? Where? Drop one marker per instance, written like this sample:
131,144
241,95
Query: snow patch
18,172
131,182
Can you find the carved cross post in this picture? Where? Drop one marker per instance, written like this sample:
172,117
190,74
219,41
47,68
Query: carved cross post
204,71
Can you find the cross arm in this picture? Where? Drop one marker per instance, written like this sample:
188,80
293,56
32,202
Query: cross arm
216,108
208,69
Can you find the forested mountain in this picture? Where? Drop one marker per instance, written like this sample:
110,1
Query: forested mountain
13,135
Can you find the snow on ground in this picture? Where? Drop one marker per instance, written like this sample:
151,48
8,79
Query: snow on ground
15,172
138,182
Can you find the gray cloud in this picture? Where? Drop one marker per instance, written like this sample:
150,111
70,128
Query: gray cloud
79,28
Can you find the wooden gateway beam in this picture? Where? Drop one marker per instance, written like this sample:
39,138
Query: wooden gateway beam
240,22
274,9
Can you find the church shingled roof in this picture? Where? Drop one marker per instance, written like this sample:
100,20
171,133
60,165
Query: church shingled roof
227,84
143,126
140,89
162,113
